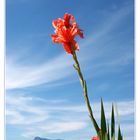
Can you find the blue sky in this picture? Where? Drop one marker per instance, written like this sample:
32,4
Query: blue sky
44,97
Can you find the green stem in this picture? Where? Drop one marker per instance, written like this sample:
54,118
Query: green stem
84,86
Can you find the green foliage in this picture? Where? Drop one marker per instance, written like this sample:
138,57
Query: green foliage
119,134
108,133
103,119
105,131
112,124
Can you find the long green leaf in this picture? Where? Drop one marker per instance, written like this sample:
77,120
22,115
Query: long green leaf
119,134
113,138
108,134
103,119
104,136
112,123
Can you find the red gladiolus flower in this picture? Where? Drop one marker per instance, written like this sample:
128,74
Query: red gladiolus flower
65,31
95,138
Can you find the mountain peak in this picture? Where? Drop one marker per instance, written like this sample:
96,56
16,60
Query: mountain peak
38,138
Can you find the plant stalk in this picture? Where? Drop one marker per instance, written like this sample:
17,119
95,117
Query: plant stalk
85,92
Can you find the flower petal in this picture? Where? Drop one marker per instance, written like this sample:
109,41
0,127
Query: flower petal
56,39
58,23
67,18
63,34
67,48
75,45
76,31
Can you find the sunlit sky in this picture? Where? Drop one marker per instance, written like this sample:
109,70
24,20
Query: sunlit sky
43,93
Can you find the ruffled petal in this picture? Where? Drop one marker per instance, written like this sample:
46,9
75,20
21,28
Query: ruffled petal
76,31
75,45
67,18
80,33
65,34
56,39
58,23
67,48
72,19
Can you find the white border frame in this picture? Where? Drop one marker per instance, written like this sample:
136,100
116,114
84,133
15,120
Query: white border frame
2,46
137,68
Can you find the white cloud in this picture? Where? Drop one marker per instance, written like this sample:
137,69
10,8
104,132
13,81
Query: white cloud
25,108
38,116
14,117
20,110
54,128
20,76
43,107
62,127
127,130
112,21
35,75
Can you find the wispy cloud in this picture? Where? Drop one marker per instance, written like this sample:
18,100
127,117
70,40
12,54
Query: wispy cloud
44,73
58,68
19,111
54,128
112,22
39,116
